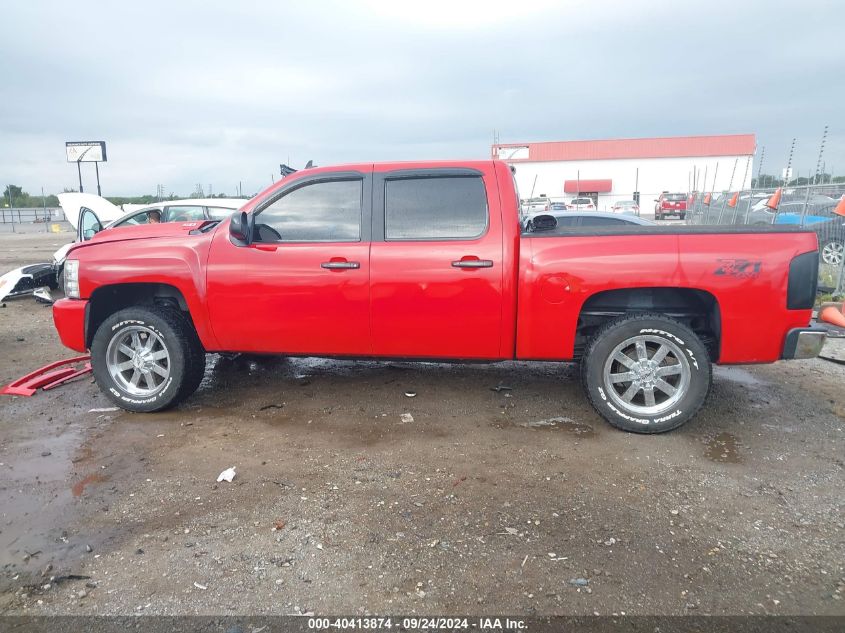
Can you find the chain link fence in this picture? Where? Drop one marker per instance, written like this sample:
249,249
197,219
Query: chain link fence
812,207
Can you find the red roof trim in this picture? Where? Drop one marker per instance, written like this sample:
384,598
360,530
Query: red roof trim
598,186
665,147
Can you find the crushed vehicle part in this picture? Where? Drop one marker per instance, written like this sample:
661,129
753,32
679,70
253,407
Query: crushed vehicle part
42,295
48,377
23,281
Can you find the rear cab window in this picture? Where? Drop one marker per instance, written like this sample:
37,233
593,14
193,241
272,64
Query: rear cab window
431,208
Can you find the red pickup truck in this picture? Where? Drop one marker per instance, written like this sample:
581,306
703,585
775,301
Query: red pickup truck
429,261
670,204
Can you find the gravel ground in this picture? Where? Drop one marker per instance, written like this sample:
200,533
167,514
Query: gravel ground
351,497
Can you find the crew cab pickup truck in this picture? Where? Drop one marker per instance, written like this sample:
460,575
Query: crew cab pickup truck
428,261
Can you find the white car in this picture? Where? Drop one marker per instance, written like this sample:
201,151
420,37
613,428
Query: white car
581,204
89,214
626,206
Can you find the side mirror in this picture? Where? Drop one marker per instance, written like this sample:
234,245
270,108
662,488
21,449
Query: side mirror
544,222
239,227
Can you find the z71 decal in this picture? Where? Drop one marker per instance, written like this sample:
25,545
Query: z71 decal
740,268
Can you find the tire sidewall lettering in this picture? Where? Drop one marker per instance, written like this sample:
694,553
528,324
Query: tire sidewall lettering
675,339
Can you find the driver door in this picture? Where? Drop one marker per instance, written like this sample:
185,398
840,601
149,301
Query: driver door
301,286
88,226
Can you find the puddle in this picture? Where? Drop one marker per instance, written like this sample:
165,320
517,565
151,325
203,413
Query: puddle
567,425
724,449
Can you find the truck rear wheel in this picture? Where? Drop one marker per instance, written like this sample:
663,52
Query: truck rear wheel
147,359
646,373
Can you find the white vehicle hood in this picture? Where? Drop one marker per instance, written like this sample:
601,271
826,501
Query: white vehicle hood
72,202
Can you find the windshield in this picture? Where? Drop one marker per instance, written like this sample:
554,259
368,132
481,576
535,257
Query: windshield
675,197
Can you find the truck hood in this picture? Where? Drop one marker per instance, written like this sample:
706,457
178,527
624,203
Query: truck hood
145,232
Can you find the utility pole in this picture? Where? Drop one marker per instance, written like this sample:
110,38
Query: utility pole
44,208
11,207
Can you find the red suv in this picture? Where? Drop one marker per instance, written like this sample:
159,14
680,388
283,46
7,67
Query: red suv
670,204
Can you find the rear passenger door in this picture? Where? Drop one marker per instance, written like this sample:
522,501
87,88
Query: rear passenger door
436,264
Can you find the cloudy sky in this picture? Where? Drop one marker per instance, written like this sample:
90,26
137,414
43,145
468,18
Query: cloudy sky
220,92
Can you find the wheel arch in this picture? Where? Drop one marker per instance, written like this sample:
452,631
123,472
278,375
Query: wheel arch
106,300
697,309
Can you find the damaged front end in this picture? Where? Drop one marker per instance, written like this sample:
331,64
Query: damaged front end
25,281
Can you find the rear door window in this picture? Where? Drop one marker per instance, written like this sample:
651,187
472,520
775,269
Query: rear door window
435,208
590,221
184,213
219,213
567,221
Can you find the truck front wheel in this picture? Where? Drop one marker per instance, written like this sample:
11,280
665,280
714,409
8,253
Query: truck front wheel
147,359
646,373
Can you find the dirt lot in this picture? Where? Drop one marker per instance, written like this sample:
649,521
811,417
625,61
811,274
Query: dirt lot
518,501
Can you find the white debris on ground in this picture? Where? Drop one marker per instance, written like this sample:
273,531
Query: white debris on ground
227,475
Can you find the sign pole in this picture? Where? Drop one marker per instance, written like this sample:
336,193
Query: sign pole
97,169
79,170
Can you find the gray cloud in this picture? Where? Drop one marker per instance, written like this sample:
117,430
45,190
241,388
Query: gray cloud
200,92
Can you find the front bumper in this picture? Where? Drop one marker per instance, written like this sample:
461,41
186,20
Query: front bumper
69,316
804,342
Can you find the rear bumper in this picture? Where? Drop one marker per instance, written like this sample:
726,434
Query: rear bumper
804,342
69,316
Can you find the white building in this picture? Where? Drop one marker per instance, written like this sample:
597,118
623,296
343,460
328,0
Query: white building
612,170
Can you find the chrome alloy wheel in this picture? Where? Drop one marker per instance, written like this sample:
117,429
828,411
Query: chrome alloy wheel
833,252
646,375
138,361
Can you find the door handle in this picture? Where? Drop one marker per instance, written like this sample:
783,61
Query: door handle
342,265
473,263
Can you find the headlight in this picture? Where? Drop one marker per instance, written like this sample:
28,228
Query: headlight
72,278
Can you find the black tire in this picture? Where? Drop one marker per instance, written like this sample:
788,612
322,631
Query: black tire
691,382
185,357
683,216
